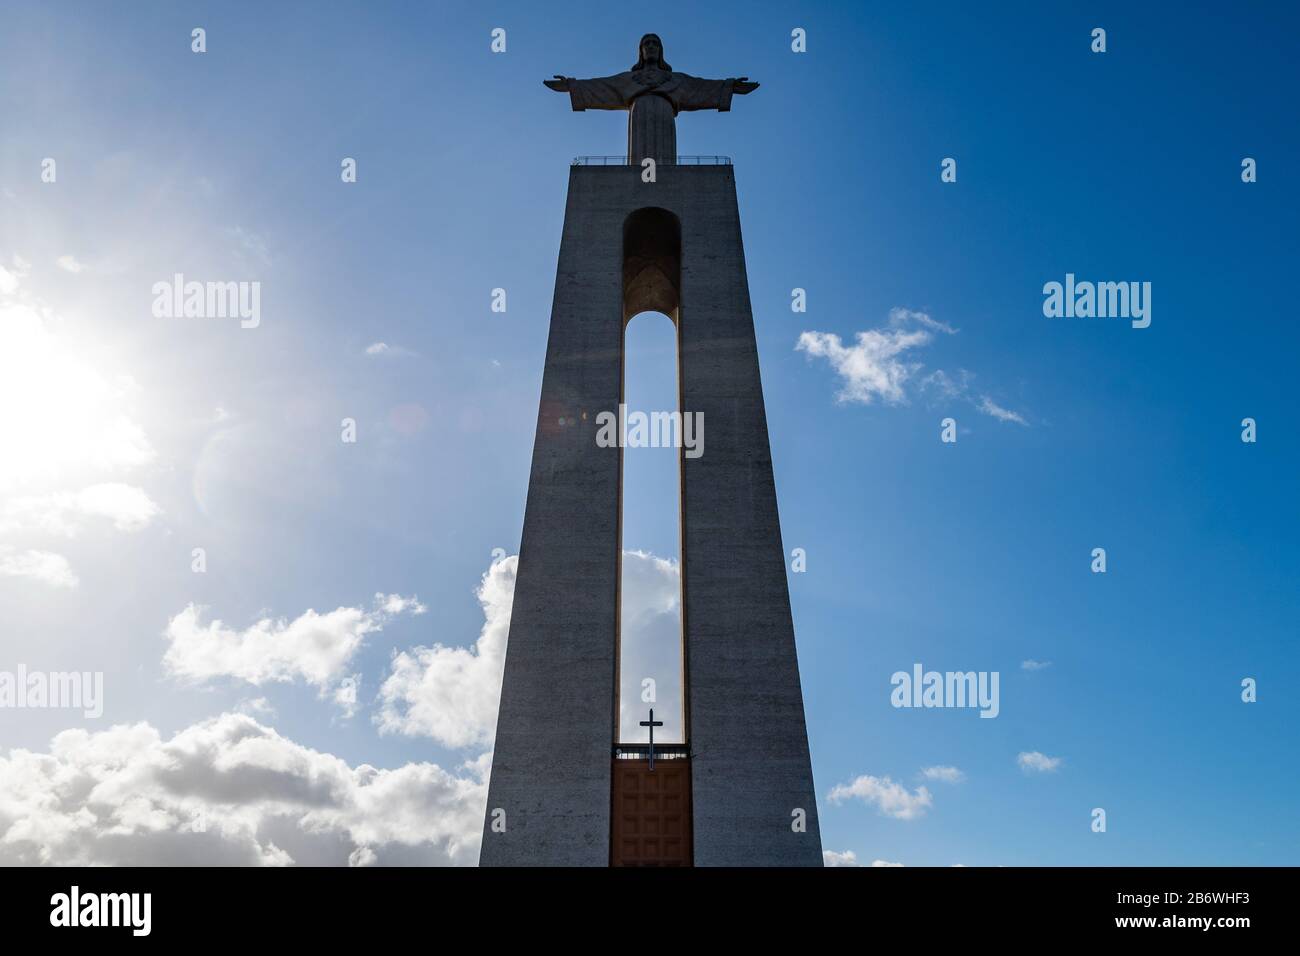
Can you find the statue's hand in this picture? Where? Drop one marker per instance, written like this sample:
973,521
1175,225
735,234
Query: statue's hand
560,84
742,85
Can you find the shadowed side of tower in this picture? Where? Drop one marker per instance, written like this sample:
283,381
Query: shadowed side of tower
751,773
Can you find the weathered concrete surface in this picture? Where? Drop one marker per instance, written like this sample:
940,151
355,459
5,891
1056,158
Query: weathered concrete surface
750,765
749,743
555,727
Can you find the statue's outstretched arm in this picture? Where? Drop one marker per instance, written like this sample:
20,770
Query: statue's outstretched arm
694,93
602,93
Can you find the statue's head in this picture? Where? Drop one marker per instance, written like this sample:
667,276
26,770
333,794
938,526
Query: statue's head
651,53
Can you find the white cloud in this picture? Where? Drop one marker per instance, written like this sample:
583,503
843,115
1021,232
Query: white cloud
64,513
315,648
990,407
9,281
256,707
943,774
835,858
884,863
1032,665
70,264
1035,762
451,693
363,856
384,350
901,318
948,386
871,369
228,791
44,566
889,798
651,628
396,604
879,365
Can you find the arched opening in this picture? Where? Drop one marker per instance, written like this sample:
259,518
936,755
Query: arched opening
651,664
650,612
652,250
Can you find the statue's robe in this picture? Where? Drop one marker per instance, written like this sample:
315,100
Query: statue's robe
653,98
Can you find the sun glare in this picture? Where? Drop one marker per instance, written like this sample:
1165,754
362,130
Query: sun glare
66,420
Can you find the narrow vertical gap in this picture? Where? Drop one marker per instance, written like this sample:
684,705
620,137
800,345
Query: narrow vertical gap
650,652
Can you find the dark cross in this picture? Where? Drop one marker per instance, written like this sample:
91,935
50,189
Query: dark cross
652,724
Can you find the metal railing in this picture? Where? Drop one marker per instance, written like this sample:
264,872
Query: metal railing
622,160
642,751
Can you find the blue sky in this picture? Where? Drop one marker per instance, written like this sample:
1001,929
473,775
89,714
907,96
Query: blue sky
1122,166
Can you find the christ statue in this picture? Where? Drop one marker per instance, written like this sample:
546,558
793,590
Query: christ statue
653,94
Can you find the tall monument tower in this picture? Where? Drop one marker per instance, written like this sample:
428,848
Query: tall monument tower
664,237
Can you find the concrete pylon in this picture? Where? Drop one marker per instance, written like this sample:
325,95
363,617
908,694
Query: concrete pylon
673,245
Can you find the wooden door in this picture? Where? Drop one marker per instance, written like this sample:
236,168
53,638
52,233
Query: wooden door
651,813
